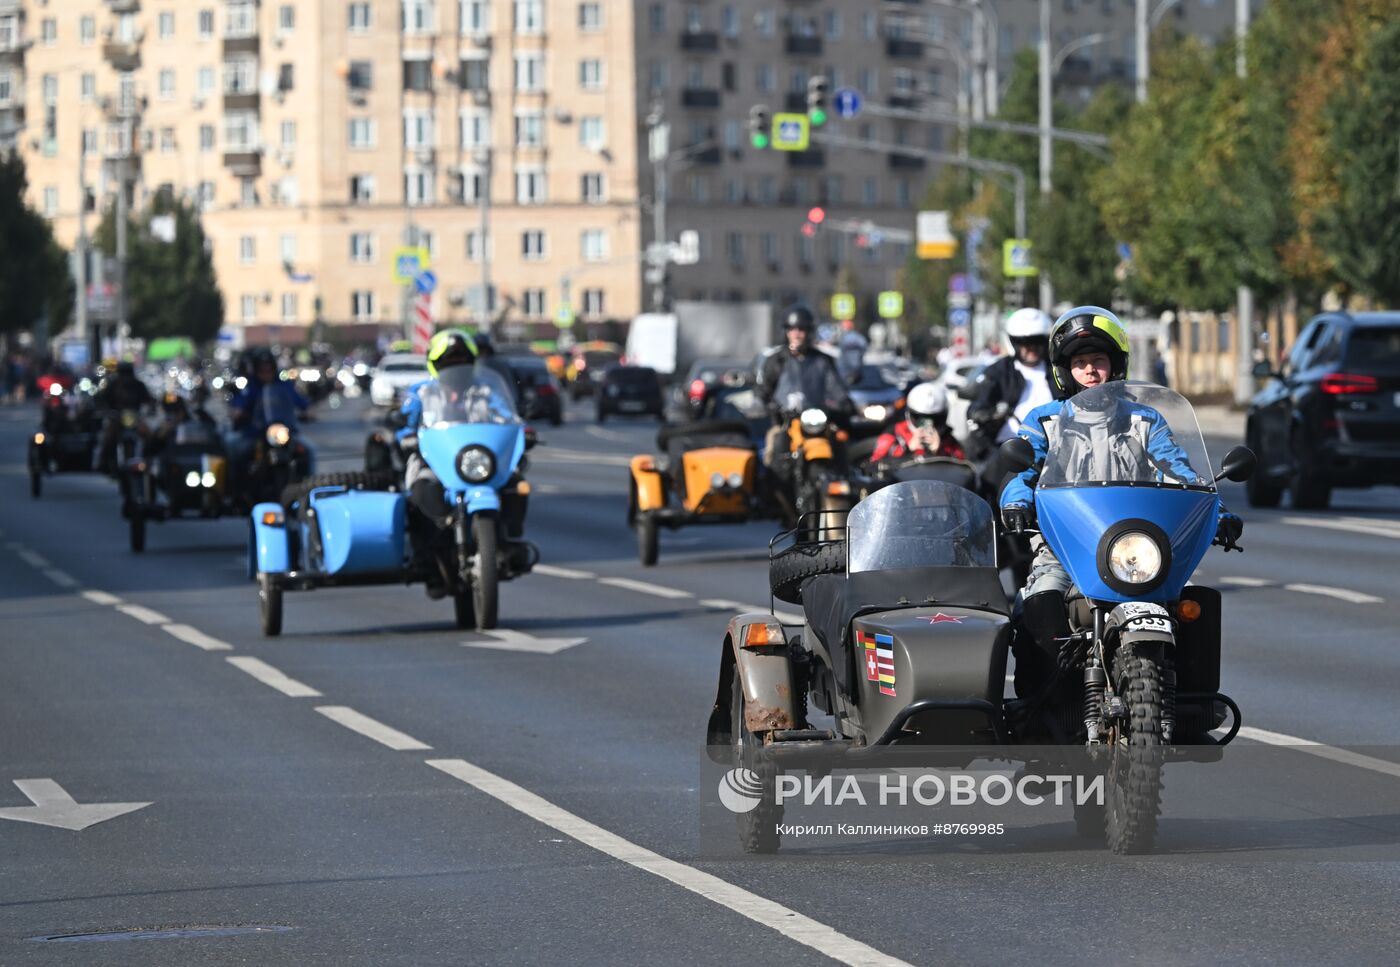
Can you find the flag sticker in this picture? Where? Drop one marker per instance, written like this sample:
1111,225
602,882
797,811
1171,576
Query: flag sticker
865,641
884,660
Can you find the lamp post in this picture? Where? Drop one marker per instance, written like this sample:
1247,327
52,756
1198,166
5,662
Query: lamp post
483,158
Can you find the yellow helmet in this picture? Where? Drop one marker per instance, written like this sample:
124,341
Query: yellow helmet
1086,329
451,347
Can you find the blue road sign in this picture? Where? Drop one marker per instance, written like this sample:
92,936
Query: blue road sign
425,282
960,317
847,103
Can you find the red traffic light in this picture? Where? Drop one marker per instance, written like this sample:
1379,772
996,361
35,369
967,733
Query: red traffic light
817,215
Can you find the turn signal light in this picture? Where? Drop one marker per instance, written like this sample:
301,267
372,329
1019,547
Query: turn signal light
842,435
838,487
1188,610
523,488
272,518
1339,383
39,439
764,634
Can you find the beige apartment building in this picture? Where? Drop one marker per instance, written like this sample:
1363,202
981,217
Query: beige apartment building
320,136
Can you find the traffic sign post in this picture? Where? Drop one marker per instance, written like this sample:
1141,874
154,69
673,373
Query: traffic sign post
847,103
564,316
1017,261
791,132
843,306
425,282
959,318
890,304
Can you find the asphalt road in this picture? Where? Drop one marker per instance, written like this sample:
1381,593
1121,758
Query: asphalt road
377,787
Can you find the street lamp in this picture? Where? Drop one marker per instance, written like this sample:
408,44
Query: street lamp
1145,26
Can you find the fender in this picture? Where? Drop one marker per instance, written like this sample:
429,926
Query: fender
478,499
651,490
270,539
765,672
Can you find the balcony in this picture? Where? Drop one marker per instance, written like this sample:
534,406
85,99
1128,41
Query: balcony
242,100
907,162
244,162
803,46
124,6
123,55
241,42
703,156
901,47
8,7
699,97
811,158
906,101
700,40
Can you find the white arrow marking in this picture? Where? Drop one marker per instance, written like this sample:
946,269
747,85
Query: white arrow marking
54,807
507,640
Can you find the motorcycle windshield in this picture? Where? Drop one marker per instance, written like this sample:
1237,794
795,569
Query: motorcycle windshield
1131,434
920,523
467,394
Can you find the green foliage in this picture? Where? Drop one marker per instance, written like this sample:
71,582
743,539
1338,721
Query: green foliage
34,277
171,288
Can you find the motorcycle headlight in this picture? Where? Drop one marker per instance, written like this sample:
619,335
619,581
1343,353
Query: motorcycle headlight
55,389
476,464
278,435
192,478
813,421
208,479
875,413
1135,558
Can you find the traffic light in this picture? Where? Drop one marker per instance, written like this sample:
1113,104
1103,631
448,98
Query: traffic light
818,100
760,126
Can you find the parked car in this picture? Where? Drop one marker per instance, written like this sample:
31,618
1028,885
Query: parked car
393,376
629,390
536,391
588,362
705,380
1331,418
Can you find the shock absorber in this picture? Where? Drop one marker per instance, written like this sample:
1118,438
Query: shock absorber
1168,702
1095,681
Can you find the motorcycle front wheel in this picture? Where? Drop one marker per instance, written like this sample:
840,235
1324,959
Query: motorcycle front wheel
1133,787
485,571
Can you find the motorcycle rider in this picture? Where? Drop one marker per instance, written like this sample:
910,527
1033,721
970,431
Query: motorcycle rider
796,377
924,429
247,410
1014,385
1088,347
122,393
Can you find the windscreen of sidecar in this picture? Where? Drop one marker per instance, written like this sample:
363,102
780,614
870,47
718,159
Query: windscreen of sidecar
920,523
467,394
1126,434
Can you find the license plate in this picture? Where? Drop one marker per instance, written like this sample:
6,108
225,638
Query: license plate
632,406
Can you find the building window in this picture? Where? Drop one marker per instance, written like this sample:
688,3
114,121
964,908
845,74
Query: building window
206,25
475,16
206,137
360,76
48,31
289,134
590,74
870,26
806,250
658,75
591,133
361,247
768,245
593,245
764,21
529,16
167,140
362,133
247,250
50,201
165,25
700,188
529,72
763,78
656,18
590,16
418,185
418,128
474,246
419,17
88,86
594,188
204,195
593,305
529,185
734,247
833,25
428,242
89,134
241,20
87,30
362,305
284,192
248,192
248,308
204,82
417,74
286,19
362,188
289,307
470,185
694,19
288,247
868,80
729,21
474,128
359,21
241,131
241,75
476,74
532,303
167,85
532,245
870,192
529,129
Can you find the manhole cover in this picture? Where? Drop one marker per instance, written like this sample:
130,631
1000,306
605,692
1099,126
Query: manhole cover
164,933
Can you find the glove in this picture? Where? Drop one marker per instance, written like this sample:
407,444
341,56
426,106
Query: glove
1019,517
1228,531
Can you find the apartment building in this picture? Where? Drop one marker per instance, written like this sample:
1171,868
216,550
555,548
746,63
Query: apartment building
506,137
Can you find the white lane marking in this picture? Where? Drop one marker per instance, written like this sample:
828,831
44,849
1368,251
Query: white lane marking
645,587
557,455
1354,597
13,546
143,614
1343,756
505,639
370,729
102,598
603,434
193,636
272,677
54,807
33,559
548,570
784,617
721,604
61,578
1355,525
1249,582
759,909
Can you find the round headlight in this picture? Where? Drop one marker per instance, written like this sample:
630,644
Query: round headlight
716,481
875,413
736,480
1135,558
476,464
208,479
55,389
278,435
192,478
813,421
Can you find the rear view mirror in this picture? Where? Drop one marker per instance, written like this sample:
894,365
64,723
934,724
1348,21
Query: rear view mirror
1016,455
396,419
1237,466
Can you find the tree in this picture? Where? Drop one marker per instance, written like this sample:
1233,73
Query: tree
34,277
171,287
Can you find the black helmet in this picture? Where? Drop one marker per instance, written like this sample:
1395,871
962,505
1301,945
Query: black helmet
1083,330
800,317
484,347
126,368
451,347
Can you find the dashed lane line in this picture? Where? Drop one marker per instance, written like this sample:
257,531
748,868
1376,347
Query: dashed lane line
193,636
1248,582
143,614
761,910
645,587
1344,756
1355,525
272,677
371,729
1342,594
33,559
61,578
102,598
569,574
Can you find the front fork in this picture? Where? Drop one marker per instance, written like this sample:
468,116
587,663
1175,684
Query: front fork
1103,706
462,530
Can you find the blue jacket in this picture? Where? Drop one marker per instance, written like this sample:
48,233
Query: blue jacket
246,405
412,410
1161,448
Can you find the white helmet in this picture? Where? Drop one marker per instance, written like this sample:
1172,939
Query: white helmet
1028,324
926,400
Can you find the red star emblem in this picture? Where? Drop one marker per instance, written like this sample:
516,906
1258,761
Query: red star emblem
941,617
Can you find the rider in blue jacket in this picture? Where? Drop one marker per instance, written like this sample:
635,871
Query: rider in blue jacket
1088,347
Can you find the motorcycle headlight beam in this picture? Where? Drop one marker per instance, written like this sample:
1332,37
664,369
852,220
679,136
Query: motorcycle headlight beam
279,435
1134,556
476,464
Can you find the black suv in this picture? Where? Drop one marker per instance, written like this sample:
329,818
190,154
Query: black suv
631,390
1332,417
